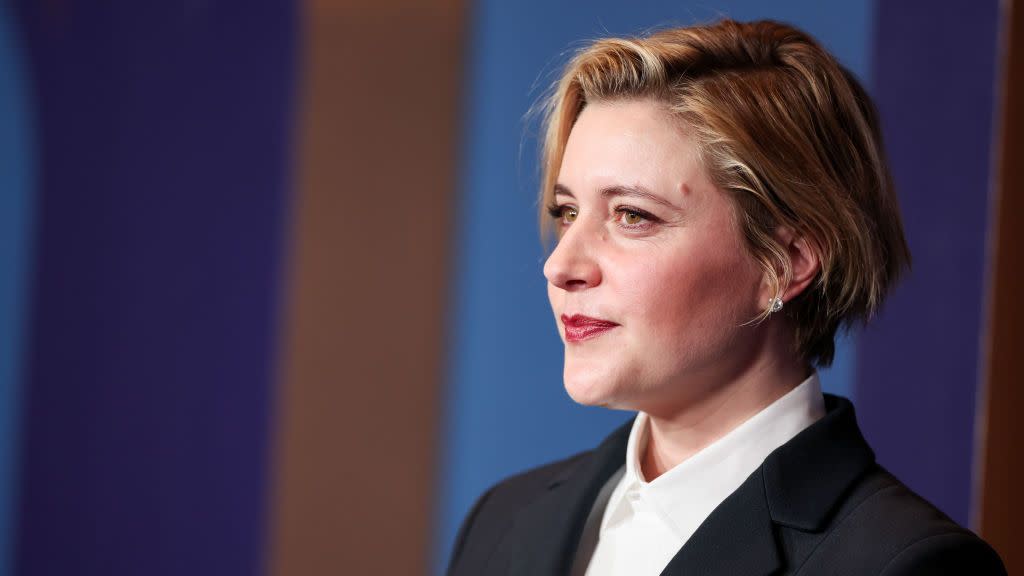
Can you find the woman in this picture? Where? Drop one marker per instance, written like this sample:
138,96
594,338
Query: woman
722,206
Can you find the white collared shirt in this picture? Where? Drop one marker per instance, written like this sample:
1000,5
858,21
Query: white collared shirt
644,524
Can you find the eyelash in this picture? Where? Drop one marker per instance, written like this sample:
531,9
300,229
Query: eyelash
557,212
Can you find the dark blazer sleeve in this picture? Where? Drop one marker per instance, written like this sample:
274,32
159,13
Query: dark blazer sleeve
950,554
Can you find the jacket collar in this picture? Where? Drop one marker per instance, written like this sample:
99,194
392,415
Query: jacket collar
805,478
798,486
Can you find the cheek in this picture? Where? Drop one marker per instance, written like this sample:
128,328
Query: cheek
693,293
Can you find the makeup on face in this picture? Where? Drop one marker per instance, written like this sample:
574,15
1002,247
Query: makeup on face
579,328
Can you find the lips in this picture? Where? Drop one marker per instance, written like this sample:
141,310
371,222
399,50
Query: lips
579,327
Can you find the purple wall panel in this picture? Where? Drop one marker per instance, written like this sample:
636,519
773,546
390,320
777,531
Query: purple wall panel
162,171
919,362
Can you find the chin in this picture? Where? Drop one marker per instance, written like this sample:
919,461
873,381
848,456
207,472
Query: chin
589,389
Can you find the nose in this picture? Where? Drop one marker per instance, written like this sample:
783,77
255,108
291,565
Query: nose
572,265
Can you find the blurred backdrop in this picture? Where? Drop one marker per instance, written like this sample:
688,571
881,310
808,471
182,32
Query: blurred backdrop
270,277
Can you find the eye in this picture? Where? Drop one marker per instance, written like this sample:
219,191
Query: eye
564,213
633,217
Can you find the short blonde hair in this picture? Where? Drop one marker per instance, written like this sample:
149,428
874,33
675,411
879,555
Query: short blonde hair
785,130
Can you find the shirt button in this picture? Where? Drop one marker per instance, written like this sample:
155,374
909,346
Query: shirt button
633,496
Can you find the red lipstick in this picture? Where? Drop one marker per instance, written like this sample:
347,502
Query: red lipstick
579,327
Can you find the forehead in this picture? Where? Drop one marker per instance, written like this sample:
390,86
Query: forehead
630,142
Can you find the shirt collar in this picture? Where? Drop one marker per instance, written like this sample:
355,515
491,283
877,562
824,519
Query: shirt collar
686,494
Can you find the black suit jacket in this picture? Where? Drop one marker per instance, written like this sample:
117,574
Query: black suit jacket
819,504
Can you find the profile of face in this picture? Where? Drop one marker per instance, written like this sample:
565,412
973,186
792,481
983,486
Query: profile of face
651,283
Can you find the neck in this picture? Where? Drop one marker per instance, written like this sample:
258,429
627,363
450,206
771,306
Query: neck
676,434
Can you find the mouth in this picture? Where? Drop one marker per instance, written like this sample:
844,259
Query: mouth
579,328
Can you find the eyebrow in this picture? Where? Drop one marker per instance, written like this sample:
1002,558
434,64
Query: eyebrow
620,190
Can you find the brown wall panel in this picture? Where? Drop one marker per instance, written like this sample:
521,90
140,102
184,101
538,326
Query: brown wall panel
358,402
1002,473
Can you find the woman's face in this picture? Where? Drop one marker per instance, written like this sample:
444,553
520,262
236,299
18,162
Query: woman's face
651,281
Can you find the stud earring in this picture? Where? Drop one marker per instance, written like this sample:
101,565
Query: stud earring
774,305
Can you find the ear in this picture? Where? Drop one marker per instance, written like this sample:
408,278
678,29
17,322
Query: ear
804,262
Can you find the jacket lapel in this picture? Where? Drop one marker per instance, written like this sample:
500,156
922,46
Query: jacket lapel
545,534
798,485
737,538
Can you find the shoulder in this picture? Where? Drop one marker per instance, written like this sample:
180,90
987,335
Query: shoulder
883,527
953,552
494,511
